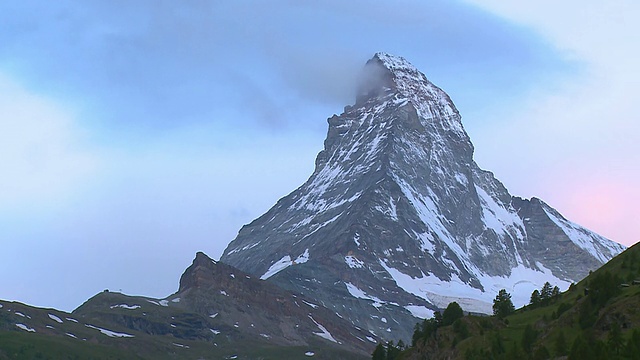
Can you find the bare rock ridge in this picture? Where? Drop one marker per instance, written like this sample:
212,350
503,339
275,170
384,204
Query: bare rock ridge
398,220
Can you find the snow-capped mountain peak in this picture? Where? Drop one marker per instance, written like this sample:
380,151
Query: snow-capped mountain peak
399,217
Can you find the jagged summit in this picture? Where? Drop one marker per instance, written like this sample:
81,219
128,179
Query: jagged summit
386,74
398,215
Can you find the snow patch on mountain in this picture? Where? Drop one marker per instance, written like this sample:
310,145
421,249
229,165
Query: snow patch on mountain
310,304
520,283
419,311
357,293
324,333
429,214
353,262
284,263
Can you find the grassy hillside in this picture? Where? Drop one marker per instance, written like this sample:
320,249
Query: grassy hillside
154,332
598,318
16,345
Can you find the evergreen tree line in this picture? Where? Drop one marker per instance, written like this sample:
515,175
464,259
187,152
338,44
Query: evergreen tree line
388,351
545,296
429,327
603,287
502,306
584,347
599,291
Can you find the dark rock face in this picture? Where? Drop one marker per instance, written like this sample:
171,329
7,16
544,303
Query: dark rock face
398,218
262,309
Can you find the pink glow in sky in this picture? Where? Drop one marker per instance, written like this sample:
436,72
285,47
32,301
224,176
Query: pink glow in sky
608,205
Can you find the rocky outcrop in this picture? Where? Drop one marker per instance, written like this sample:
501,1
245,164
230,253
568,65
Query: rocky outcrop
216,290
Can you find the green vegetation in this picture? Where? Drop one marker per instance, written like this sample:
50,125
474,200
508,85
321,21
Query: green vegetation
546,296
598,318
388,351
502,305
71,339
16,345
452,313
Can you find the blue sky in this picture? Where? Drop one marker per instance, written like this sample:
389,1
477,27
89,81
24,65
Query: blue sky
135,133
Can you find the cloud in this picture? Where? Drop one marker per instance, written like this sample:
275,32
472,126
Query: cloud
41,145
150,66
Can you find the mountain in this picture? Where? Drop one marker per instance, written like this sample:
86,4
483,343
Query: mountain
595,319
219,312
397,220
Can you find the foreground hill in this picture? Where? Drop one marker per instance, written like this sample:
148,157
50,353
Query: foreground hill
219,312
598,318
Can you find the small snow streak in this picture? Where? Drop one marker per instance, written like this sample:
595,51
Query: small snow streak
25,328
110,333
353,262
325,334
125,306
55,318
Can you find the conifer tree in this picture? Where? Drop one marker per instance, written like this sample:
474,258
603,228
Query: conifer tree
535,298
560,345
528,338
545,293
392,351
615,340
502,304
379,353
452,313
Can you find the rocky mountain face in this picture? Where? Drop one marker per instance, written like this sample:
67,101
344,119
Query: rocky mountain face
397,219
